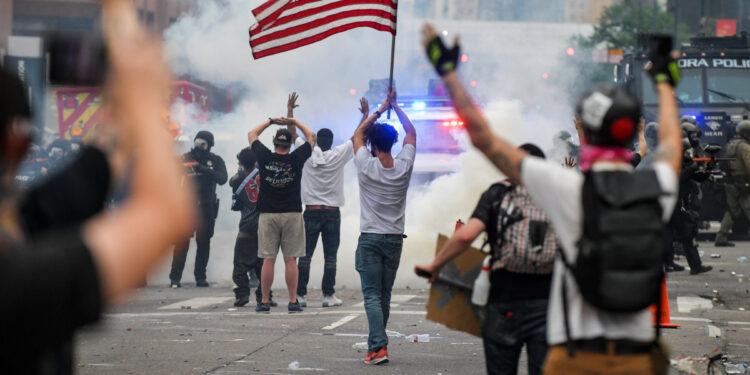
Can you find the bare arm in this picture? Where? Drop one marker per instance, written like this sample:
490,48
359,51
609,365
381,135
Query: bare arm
309,135
358,139
579,129
159,212
253,135
411,133
291,104
642,145
456,245
670,142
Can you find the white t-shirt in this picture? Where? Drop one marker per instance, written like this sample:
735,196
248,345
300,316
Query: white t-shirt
557,190
382,191
323,175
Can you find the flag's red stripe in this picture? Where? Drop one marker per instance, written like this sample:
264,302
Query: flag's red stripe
320,22
264,6
321,36
305,2
306,13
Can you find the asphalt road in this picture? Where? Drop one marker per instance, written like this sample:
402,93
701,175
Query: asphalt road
198,331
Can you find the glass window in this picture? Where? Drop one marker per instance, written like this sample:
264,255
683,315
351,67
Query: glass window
728,85
689,91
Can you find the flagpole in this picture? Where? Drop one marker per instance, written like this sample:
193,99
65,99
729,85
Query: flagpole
393,50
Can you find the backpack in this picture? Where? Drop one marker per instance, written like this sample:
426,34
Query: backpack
519,233
236,203
621,255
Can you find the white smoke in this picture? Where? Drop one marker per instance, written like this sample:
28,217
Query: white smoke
507,60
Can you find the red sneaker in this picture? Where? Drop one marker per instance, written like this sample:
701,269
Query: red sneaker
376,358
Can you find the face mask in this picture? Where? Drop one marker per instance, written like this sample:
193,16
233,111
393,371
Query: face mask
56,153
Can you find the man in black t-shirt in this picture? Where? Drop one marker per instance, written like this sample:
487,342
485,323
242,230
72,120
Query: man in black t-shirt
517,305
280,206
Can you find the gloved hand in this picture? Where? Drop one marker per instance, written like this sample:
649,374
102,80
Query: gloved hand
662,66
443,59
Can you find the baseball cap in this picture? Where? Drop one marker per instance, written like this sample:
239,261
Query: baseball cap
283,137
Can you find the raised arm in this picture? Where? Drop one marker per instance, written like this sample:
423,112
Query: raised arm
364,108
411,133
291,104
358,139
506,157
158,212
253,135
309,135
642,145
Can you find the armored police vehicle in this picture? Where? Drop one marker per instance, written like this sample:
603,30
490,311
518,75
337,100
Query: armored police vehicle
714,90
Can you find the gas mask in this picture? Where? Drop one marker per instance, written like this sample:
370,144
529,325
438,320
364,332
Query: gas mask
200,147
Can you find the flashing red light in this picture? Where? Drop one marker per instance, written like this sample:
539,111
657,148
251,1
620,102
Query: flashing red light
464,58
545,75
352,92
473,83
570,51
452,123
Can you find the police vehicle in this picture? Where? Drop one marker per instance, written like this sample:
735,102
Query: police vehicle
440,131
714,90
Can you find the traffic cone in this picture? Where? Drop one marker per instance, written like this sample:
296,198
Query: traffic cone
459,223
663,320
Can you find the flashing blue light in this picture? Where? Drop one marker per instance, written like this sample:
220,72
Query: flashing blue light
418,105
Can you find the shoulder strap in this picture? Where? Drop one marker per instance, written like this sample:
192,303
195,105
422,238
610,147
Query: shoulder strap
246,180
499,189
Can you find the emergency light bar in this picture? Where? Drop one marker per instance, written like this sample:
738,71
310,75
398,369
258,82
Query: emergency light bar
453,123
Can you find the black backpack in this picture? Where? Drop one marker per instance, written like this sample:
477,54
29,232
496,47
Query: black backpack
621,255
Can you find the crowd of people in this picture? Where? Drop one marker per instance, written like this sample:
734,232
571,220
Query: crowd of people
574,265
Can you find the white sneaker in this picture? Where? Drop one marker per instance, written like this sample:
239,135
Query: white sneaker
302,301
331,300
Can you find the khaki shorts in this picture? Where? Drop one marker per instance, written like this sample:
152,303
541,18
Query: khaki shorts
283,229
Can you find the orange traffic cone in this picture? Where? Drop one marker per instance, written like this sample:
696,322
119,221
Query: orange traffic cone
663,320
459,223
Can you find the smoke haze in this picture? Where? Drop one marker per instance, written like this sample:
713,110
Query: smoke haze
506,60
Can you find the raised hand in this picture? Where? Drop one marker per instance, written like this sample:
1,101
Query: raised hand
291,104
364,107
392,98
283,121
570,162
443,59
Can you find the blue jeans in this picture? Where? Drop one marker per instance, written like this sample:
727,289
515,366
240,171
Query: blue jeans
377,259
508,326
327,224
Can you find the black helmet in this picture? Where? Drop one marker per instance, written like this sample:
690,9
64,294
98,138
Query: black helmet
610,115
689,127
688,119
206,136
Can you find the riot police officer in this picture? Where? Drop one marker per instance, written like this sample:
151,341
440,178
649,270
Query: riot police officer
207,170
737,184
693,134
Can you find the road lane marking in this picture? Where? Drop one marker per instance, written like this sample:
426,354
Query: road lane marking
689,319
340,322
396,299
197,303
245,314
688,304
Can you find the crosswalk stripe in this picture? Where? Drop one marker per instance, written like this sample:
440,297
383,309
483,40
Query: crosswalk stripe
340,322
196,303
396,299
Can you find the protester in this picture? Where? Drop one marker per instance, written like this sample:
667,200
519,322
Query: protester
68,268
322,196
280,222
563,147
523,249
737,184
246,187
599,321
383,182
637,156
206,170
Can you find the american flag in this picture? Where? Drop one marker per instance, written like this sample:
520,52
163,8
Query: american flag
284,25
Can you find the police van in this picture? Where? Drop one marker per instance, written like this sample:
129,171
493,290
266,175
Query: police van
714,90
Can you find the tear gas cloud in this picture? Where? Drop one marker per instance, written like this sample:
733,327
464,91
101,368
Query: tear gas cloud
507,60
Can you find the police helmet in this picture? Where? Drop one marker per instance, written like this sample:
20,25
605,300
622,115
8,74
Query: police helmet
688,119
609,114
690,128
743,129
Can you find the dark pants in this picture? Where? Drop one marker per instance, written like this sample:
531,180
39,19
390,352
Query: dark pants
327,224
203,247
377,259
246,261
507,327
683,229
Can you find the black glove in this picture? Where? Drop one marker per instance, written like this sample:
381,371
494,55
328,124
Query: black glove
443,59
663,67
